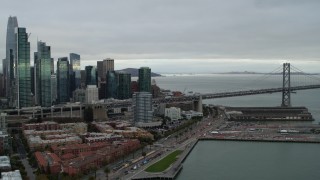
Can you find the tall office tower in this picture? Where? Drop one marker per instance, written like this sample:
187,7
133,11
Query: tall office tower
91,75
103,67
32,73
83,78
52,66
22,69
53,89
124,85
43,75
75,68
63,80
8,65
142,106
145,79
111,84
1,85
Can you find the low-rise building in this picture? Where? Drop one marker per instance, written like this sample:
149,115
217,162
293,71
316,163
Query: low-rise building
36,142
11,175
76,149
173,113
4,142
48,162
5,163
191,114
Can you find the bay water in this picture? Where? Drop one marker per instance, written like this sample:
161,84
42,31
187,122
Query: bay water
224,160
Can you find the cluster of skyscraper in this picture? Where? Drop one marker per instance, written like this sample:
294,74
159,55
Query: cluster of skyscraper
25,85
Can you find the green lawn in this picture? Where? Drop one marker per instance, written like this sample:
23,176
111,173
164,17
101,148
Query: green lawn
164,163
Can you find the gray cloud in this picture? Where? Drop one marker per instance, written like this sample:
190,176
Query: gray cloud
165,29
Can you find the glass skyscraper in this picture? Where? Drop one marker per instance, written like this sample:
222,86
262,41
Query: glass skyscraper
23,69
124,85
75,69
63,80
9,61
43,75
142,106
111,84
91,75
145,79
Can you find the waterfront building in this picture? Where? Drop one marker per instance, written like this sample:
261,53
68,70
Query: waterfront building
53,88
173,113
124,85
142,105
112,84
43,75
22,69
145,79
63,80
91,75
92,94
8,62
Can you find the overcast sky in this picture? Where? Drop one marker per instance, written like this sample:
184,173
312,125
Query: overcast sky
197,36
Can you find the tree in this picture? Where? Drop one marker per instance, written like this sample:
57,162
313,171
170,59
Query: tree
144,154
107,171
88,114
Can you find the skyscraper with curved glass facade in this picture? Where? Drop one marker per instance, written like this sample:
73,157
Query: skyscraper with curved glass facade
75,68
63,80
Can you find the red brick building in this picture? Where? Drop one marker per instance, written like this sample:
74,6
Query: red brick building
48,162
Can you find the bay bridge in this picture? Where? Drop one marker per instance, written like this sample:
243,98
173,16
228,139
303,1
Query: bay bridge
286,71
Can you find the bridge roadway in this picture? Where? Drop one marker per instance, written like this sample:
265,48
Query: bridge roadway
127,103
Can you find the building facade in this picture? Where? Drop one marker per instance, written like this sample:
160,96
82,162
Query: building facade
142,105
111,85
91,75
8,62
124,85
63,80
22,69
145,79
43,75
75,68
92,94
173,113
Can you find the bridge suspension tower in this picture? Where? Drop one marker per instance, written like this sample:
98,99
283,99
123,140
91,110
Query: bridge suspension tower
286,88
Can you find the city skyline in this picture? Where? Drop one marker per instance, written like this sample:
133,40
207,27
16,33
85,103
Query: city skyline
244,35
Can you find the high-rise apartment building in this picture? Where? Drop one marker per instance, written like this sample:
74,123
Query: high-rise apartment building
9,61
43,75
124,85
142,105
145,79
22,69
63,80
91,75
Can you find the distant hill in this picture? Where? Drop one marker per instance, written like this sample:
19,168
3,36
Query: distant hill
135,72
